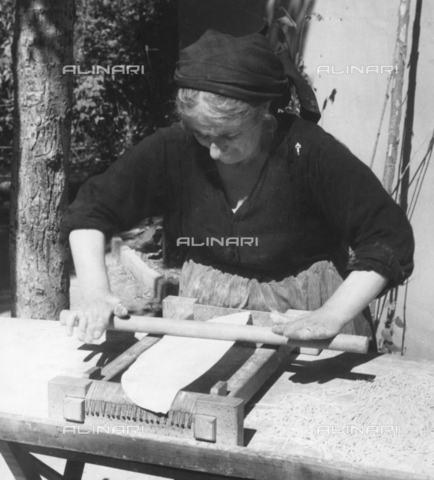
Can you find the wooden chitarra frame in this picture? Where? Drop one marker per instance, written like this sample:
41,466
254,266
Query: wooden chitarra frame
217,416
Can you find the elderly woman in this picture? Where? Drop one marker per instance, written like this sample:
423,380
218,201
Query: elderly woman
237,167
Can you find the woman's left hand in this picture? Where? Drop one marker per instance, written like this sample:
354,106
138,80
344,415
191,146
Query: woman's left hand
318,325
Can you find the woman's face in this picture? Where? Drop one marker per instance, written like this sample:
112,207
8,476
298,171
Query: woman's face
228,144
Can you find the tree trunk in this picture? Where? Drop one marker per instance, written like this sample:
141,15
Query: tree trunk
43,44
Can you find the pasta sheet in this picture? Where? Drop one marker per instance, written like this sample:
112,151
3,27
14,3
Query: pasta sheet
155,378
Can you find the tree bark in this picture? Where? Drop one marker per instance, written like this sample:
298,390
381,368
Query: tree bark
396,95
43,44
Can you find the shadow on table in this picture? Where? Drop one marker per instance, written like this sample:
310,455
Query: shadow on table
323,370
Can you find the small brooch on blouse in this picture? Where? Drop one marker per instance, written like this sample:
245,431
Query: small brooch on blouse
297,147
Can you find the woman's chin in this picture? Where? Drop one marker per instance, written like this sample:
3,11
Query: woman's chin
227,161
230,160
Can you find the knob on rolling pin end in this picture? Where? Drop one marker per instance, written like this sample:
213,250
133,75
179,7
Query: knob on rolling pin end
120,310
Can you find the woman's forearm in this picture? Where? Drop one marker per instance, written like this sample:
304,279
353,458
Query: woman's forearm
354,294
88,251
99,304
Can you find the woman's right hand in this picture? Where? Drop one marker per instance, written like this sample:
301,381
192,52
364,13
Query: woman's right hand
94,316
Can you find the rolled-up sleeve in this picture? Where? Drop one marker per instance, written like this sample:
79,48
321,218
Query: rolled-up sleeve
131,189
355,203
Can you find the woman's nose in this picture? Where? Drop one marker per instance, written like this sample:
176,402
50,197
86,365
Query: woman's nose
214,151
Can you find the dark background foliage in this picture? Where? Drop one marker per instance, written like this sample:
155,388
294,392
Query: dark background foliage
110,112
6,84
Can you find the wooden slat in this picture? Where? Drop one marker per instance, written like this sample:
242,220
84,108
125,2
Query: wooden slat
46,471
256,371
223,370
180,308
145,275
126,358
214,459
207,312
73,470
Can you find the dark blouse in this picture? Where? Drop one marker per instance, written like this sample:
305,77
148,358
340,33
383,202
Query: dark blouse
312,196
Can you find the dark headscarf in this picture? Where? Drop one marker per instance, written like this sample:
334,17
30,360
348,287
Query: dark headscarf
245,68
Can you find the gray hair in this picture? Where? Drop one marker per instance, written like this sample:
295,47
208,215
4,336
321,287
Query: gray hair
222,110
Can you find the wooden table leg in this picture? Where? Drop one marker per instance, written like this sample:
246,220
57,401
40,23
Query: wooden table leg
45,470
20,463
73,470
24,466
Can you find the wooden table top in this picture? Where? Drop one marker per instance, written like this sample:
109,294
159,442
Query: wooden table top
32,352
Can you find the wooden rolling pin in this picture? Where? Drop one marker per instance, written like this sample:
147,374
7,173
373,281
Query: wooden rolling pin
223,331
